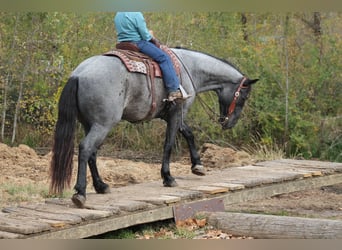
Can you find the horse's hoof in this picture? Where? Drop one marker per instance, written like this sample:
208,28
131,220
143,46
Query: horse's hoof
198,170
105,189
170,184
79,200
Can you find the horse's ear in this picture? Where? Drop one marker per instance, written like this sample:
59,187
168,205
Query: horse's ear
250,81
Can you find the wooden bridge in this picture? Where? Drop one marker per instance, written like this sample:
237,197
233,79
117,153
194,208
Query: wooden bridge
148,202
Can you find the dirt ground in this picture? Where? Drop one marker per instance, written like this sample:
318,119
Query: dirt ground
25,178
25,174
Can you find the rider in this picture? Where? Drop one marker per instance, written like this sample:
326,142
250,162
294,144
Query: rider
131,27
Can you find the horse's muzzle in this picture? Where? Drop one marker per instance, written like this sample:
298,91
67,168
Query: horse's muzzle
224,121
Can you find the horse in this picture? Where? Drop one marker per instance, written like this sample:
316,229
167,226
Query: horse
100,92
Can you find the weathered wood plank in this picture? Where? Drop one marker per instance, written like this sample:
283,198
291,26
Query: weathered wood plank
132,206
275,227
160,200
275,173
230,186
84,214
261,192
66,218
211,189
113,223
185,194
22,225
7,235
290,169
324,167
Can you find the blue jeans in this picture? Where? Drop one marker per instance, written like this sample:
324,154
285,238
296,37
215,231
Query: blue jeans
170,78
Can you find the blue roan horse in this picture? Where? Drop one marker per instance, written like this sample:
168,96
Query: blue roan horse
100,92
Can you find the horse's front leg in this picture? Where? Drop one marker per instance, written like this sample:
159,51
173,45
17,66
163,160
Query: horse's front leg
196,164
170,136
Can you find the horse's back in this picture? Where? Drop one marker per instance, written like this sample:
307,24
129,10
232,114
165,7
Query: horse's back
100,90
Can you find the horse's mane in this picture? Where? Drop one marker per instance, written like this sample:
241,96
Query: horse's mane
220,59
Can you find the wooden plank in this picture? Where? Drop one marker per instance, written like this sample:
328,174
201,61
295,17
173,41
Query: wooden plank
252,176
276,173
113,223
84,214
66,218
160,200
211,189
285,169
7,235
262,192
132,206
324,167
22,226
315,164
275,227
230,186
185,194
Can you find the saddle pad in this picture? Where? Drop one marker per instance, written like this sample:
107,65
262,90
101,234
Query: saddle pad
138,62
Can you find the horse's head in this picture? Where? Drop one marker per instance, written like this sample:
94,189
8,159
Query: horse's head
232,98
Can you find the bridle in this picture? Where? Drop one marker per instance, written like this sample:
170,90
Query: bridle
232,105
231,108
236,96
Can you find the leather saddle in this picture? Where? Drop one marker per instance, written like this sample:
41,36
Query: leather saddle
136,61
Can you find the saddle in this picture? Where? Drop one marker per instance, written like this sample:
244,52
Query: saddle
138,62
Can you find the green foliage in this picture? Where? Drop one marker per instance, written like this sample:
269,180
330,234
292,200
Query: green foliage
295,108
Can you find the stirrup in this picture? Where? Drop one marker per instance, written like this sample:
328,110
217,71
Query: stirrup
184,94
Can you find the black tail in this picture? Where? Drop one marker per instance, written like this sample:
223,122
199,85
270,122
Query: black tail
63,147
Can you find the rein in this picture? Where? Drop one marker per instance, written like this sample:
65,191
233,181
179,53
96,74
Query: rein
206,106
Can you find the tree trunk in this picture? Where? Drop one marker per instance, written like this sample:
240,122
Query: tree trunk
244,26
316,27
8,81
23,78
287,84
275,227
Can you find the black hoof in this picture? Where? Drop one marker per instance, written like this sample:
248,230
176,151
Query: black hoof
78,200
198,170
170,184
103,189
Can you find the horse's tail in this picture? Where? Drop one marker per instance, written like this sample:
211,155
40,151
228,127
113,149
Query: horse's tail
63,147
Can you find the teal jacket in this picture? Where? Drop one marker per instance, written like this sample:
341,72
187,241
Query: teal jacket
131,26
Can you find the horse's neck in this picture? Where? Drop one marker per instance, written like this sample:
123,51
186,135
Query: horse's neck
207,72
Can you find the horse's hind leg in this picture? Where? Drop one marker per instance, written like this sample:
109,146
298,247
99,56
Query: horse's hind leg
87,149
99,185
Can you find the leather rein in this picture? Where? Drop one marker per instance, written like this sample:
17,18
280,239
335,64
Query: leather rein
232,105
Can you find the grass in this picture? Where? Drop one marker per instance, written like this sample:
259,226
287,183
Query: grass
265,152
11,192
156,230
